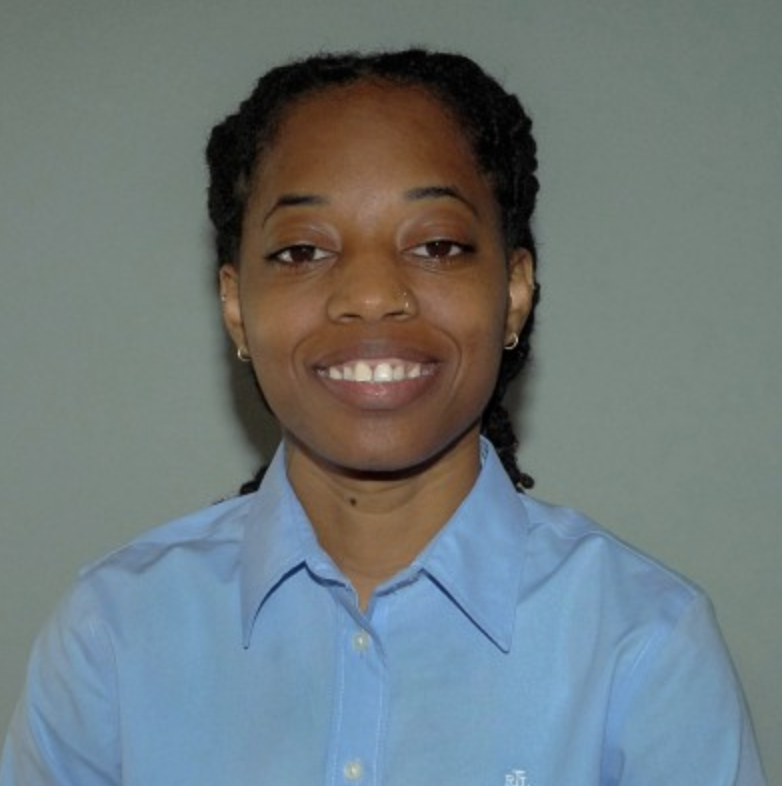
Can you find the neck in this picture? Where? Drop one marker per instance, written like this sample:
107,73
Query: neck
373,526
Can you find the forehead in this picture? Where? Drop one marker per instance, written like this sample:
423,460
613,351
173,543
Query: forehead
370,99
366,126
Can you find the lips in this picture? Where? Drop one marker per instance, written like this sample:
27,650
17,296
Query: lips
377,370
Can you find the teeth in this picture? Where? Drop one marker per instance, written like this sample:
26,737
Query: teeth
363,372
382,371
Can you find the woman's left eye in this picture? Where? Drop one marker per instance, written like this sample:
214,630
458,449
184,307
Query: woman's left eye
440,249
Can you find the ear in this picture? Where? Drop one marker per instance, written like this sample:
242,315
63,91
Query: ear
232,309
521,290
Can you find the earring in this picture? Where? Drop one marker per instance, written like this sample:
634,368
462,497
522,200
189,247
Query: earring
512,342
243,354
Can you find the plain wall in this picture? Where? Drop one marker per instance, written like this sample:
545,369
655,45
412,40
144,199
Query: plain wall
655,400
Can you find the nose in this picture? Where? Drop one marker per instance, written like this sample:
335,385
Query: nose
369,287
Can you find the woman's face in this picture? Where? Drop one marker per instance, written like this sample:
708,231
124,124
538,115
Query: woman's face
372,288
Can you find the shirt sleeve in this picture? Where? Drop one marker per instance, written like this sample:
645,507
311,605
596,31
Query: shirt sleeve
685,722
64,729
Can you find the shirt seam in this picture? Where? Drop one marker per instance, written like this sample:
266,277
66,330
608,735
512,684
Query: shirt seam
631,684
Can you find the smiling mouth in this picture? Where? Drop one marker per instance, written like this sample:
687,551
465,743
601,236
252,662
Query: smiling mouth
378,371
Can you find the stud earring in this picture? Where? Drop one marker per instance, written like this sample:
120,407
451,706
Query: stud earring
512,342
243,354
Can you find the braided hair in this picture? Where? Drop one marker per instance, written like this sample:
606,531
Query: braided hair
493,121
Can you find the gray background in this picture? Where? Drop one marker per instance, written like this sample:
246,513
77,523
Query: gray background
655,399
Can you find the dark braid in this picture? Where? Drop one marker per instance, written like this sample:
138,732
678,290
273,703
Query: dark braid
493,121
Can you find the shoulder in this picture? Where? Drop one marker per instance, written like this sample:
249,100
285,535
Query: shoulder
211,527
578,555
201,549
154,584
605,597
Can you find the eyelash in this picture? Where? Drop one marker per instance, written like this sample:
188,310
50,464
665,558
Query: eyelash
455,249
427,251
317,254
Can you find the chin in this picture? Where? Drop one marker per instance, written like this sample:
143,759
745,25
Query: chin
397,457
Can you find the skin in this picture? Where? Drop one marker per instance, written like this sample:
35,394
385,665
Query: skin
371,235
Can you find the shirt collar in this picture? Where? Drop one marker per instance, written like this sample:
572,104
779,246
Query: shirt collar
278,542
476,560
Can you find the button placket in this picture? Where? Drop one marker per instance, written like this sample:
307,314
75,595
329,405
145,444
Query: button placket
360,713
353,771
361,640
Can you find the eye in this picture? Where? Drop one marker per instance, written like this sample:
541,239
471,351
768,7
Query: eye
299,254
442,248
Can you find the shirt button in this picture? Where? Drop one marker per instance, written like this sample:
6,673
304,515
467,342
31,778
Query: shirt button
361,641
353,771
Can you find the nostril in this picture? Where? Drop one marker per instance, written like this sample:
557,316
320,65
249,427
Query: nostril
371,301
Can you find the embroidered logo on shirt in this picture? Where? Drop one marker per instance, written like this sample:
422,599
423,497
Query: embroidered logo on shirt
517,778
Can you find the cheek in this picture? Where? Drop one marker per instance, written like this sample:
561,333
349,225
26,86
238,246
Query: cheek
483,324
475,324
271,314
475,315
273,329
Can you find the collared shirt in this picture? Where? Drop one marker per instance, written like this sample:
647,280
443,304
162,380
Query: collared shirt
525,646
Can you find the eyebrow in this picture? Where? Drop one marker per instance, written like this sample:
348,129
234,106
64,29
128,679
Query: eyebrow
294,200
440,192
412,195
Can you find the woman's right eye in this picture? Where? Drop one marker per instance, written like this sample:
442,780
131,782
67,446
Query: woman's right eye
299,254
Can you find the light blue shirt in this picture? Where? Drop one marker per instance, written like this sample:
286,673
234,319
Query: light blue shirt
525,646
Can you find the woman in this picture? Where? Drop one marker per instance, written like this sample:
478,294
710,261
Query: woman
387,607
